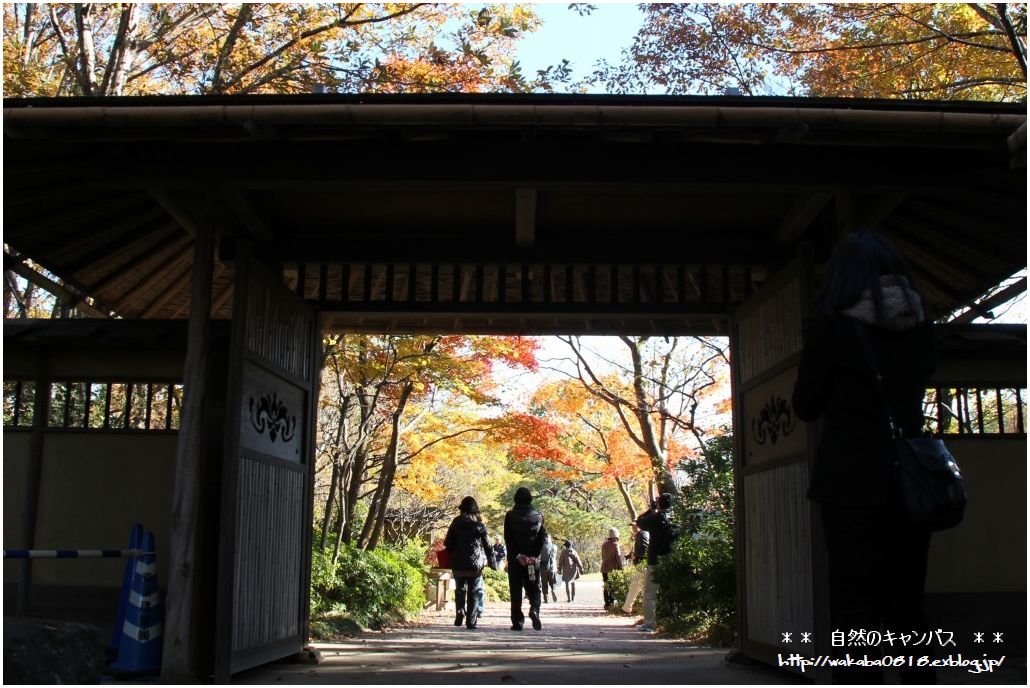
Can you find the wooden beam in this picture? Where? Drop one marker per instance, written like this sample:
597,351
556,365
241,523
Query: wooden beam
844,200
245,212
525,217
61,292
1017,144
801,215
46,225
969,255
878,211
1002,297
178,213
33,478
180,652
222,297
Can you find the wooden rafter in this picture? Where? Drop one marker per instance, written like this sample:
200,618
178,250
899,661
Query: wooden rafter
175,209
63,294
181,283
246,214
175,241
801,215
967,254
525,217
878,211
169,266
52,226
1004,296
125,237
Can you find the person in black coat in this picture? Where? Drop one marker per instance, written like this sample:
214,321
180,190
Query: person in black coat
876,557
470,552
657,523
524,536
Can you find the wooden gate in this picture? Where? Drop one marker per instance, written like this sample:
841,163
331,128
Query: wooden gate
779,545
264,555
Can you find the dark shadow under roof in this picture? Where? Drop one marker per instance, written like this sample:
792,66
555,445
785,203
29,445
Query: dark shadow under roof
502,212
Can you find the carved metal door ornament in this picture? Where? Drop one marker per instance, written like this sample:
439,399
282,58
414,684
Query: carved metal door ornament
271,415
774,420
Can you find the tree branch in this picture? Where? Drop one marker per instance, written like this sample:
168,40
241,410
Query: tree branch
230,42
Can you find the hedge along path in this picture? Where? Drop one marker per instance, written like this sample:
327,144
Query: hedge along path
579,644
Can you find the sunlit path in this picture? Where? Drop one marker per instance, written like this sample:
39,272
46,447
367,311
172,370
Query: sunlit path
579,644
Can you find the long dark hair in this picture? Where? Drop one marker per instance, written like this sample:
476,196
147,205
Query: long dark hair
855,268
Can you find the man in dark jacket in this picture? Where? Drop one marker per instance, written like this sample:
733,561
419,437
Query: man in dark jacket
524,536
658,524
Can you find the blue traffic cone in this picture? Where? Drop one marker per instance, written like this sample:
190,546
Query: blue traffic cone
135,542
139,653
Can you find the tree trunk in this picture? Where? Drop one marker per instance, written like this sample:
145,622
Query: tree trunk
87,56
123,52
652,442
357,472
330,500
629,501
377,512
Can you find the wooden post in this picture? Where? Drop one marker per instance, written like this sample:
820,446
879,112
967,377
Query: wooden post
180,661
40,415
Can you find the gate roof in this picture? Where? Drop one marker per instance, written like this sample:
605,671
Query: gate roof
506,213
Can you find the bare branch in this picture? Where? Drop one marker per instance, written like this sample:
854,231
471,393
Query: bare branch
230,42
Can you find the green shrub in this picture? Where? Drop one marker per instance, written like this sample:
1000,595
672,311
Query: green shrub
618,585
370,587
697,586
496,585
697,580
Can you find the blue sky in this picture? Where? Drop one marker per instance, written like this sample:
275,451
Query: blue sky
604,33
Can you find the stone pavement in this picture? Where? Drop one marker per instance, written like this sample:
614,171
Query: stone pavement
579,644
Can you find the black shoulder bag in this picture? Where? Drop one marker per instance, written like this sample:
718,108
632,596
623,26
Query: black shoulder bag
930,480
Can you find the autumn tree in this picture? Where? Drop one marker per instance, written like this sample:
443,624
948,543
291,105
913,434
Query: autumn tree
575,436
973,51
93,49
386,398
662,393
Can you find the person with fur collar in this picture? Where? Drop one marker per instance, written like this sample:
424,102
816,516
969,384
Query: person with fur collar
470,552
876,557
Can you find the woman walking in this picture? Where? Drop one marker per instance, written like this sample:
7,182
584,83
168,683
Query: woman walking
611,560
868,352
470,552
570,567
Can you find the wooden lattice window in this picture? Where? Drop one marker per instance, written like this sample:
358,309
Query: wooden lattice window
19,403
122,406
975,410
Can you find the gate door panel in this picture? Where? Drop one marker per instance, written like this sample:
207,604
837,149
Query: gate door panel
775,549
264,559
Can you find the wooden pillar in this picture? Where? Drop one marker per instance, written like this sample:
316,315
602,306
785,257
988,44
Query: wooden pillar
40,408
180,662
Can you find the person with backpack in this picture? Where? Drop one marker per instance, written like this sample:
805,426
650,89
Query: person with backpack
569,567
657,521
470,551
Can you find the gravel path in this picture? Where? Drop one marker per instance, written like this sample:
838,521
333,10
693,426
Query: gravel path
578,644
